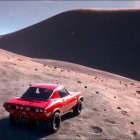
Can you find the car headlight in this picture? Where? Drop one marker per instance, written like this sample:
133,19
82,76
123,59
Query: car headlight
27,108
41,110
21,108
37,110
17,107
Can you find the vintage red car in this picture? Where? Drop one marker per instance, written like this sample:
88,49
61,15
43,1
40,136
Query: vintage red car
44,103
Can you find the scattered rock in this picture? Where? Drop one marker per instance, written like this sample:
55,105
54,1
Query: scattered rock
79,81
138,91
126,85
97,92
36,69
97,129
102,80
78,135
30,85
124,112
85,86
95,109
134,94
62,70
118,107
95,77
132,123
8,58
120,82
109,121
104,109
134,133
138,87
55,67
19,59
114,96
44,64
132,84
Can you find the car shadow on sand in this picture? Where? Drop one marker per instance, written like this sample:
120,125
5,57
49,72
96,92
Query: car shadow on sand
24,131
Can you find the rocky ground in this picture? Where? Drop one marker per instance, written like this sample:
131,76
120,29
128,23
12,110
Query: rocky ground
111,104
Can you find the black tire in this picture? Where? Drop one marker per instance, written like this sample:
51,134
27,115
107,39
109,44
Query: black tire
53,123
13,120
31,123
78,108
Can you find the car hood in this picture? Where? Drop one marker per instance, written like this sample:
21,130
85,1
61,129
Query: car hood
30,102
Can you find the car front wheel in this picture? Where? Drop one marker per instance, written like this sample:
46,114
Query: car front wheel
53,123
78,108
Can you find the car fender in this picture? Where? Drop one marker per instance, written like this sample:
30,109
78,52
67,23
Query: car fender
80,98
55,110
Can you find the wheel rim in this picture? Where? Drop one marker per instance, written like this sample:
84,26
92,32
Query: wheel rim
80,107
56,123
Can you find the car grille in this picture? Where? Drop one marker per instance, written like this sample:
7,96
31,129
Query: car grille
32,109
12,106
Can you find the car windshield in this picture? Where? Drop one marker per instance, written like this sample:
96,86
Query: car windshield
38,93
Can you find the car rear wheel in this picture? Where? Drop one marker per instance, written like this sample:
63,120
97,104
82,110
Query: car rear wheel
13,120
53,123
78,108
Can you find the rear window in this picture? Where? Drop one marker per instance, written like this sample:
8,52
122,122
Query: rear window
38,93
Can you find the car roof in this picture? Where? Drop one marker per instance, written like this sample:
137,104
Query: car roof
49,86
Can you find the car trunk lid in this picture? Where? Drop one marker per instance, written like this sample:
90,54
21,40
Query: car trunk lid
30,102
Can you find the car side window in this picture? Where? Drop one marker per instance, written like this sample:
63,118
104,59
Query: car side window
62,93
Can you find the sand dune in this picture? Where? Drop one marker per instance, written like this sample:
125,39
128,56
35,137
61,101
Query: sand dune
110,108
103,39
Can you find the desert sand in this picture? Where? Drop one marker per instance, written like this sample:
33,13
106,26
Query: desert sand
111,104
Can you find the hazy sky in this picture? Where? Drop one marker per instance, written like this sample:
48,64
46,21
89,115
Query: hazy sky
15,15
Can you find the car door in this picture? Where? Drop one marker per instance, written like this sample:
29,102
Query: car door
66,99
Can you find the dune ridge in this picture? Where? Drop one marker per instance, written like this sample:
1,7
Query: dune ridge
102,39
